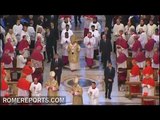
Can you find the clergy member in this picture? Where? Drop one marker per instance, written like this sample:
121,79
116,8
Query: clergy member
65,41
77,92
148,89
52,85
155,59
36,88
134,77
73,53
23,86
89,43
93,93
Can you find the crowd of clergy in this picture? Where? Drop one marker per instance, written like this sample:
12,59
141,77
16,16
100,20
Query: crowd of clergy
26,41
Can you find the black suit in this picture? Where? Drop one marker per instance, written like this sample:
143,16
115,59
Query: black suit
109,74
105,49
49,47
58,72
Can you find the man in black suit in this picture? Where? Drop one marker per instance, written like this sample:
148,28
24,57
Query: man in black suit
109,74
105,49
56,66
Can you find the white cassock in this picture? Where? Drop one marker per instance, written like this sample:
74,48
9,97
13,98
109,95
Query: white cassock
149,89
127,30
43,31
36,89
117,28
96,34
31,32
29,77
131,40
156,38
89,46
70,33
17,29
97,26
93,95
27,36
144,27
143,39
65,42
13,39
21,61
3,31
102,21
63,25
151,29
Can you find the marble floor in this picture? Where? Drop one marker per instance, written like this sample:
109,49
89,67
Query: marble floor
95,74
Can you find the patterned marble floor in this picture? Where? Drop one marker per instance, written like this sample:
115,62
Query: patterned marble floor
95,74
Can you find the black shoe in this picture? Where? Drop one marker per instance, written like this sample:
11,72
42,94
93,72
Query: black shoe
109,98
105,96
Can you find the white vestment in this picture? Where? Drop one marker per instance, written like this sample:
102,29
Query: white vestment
127,30
131,40
96,34
13,39
89,46
65,42
93,95
149,90
17,29
36,89
29,77
156,38
70,33
144,27
143,39
21,61
151,29
97,26
117,28
63,25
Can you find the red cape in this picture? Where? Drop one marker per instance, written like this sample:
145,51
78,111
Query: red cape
38,44
4,85
136,46
135,70
121,58
148,81
27,70
23,44
149,45
148,70
140,57
6,59
156,58
122,42
23,84
36,55
9,46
